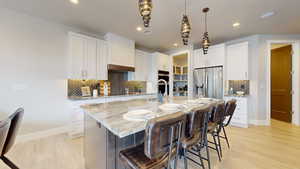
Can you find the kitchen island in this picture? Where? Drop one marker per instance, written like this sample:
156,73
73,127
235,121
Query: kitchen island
107,132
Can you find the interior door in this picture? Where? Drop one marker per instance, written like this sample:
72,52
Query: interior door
281,83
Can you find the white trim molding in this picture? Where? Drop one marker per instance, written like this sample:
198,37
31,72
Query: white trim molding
190,70
43,134
295,80
260,122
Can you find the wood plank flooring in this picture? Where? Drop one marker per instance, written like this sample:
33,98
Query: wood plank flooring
274,147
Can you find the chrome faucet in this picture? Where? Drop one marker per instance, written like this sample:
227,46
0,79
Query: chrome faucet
166,86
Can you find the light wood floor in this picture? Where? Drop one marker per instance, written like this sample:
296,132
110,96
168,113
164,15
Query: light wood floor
275,147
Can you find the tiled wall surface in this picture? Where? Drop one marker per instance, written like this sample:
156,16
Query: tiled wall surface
74,86
239,85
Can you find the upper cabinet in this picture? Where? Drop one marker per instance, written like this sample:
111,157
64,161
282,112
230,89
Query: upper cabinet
163,61
102,57
88,57
237,61
215,57
142,65
121,50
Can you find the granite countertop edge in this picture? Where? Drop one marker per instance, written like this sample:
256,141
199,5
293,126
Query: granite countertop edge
80,98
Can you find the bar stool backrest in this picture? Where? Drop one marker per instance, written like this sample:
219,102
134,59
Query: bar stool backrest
218,113
196,120
15,119
163,134
229,110
4,127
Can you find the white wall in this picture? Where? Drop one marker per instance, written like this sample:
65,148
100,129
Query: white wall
33,70
258,52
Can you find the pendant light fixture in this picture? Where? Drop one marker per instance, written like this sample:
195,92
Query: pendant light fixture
185,27
145,7
205,40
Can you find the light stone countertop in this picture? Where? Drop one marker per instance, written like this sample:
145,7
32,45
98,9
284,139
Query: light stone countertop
110,115
4,116
79,98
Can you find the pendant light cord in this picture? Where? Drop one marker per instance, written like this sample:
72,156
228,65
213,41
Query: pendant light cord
185,7
206,22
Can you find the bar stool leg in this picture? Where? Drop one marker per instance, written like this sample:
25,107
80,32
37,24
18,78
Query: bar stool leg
207,153
185,159
9,163
200,157
216,145
226,138
220,146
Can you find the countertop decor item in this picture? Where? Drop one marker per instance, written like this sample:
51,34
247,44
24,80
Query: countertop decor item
205,40
85,91
145,7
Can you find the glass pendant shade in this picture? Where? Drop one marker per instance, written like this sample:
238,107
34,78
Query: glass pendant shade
205,43
185,29
205,40
145,7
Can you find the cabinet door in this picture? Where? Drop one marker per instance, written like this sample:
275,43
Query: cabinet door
199,59
141,65
102,55
90,60
237,61
77,56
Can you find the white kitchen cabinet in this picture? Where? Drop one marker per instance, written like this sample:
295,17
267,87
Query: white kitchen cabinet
77,55
88,57
214,57
121,50
102,56
240,116
142,65
198,59
237,61
163,61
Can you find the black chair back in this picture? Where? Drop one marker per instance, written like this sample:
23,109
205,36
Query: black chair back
15,119
196,120
218,113
162,134
229,110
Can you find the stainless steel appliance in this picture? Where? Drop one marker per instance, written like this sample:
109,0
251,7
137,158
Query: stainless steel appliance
208,82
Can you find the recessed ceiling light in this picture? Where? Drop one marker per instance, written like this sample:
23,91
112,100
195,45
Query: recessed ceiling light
74,1
139,28
175,44
266,15
236,25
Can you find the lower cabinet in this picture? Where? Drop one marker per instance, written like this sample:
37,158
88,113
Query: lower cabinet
240,116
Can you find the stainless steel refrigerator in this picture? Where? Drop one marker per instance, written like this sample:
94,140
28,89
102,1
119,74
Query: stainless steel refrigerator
208,82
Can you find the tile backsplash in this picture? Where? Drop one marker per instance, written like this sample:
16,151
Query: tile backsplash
238,85
74,86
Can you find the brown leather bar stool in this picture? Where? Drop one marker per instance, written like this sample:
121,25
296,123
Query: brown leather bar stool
215,126
15,121
162,140
196,135
229,111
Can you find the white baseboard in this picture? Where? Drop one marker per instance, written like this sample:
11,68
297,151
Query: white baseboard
43,134
242,125
260,122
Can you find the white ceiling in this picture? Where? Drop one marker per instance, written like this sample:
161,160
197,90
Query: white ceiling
122,17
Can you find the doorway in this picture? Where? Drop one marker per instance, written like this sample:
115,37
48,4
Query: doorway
281,82
180,74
